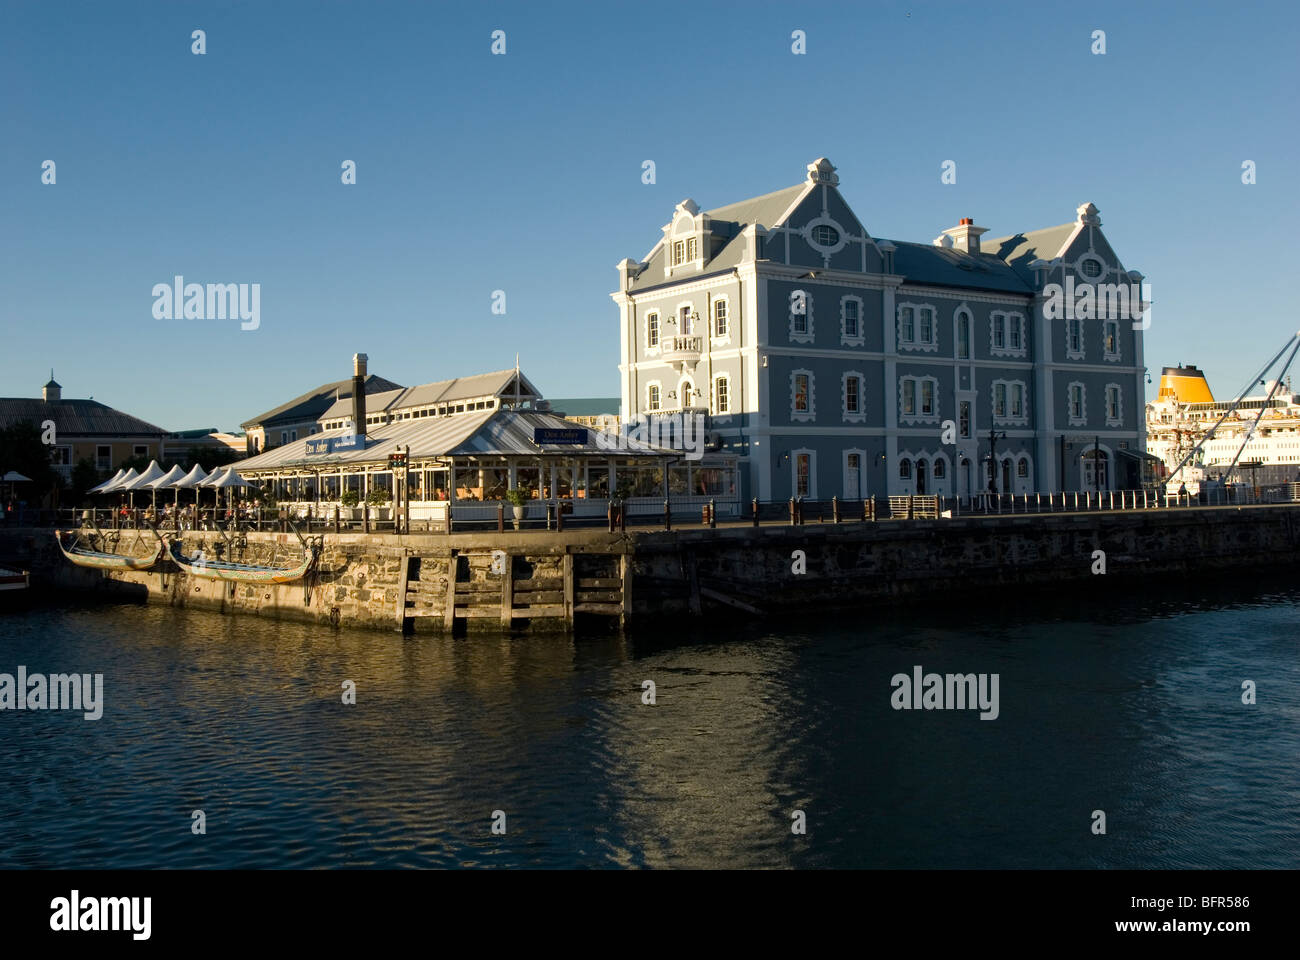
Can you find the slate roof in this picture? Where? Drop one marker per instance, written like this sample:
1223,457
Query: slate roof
313,403
1024,248
76,418
950,267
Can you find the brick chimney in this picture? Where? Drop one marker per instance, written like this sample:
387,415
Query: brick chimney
965,236
359,393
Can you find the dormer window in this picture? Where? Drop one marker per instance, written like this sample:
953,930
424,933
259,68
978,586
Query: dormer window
824,235
679,252
1090,267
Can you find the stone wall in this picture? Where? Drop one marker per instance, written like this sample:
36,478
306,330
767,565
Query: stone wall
390,582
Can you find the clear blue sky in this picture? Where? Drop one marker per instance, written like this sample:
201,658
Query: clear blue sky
523,172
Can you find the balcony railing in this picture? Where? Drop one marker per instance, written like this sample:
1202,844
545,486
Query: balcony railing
682,349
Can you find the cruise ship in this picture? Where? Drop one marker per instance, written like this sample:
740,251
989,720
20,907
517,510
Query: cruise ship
1184,415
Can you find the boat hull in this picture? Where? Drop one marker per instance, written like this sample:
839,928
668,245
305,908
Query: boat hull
239,572
97,560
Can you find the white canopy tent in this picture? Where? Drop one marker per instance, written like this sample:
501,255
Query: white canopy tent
118,485
109,483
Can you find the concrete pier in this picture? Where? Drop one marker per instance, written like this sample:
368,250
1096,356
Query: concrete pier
540,580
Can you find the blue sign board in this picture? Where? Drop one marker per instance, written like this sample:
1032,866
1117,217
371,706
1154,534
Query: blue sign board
543,435
321,446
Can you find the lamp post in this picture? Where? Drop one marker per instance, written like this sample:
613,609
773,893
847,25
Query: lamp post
994,437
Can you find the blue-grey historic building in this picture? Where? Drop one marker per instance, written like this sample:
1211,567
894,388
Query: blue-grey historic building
834,363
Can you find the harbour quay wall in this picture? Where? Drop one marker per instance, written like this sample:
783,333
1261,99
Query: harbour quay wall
539,580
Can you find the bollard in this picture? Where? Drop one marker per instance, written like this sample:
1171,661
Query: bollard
835,509
559,516
668,516
713,513
755,506
868,509
501,518
704,514
911,507
365,518
1112,499
1144,499
609,515
792,517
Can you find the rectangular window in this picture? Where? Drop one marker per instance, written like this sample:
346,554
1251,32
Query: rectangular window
1076,335
926,316
684,321
679,253
963,418
723,393
801,393
851,395
927,397
963,337
1076,401
909,396
1112,337
284,437
690,249
653,396
999,399
103,457
850,318
719,318
1014,330
140,450
999,330
1017,400
904,324
1112,403
803,468
799,322
652,330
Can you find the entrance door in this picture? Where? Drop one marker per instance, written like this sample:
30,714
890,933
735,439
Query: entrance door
1095,474
853,476
920,476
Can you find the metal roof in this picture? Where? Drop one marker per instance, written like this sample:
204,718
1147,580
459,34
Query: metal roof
483,433
76,418
313,403
498,383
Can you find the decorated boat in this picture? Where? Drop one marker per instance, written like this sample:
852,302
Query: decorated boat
201,566
84,556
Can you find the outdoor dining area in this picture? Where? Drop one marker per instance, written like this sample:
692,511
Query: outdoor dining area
194,514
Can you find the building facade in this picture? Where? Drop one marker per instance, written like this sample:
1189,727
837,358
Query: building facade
834,363
84,430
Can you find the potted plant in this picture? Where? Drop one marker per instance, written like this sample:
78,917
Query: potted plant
348,500
517,498
379,498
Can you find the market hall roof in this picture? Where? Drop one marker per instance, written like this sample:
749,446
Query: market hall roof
499,383
481,433
76,418
313,403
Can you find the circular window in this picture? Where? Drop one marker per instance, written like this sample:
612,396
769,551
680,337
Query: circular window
1090,267
824,235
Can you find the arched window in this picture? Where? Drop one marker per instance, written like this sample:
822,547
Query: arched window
939,469
686,394
905,469
1022,468
963,335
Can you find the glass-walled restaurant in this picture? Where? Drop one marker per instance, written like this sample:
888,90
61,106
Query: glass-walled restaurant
466,464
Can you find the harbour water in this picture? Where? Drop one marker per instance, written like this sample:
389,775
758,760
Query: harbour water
1127,702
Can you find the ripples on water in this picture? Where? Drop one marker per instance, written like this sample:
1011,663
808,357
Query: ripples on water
1126,703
